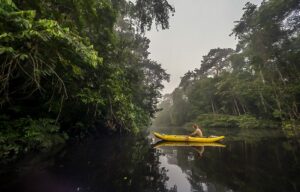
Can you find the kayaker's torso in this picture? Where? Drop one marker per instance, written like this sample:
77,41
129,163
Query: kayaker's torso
197,133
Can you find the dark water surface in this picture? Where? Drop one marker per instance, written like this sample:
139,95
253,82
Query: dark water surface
251,161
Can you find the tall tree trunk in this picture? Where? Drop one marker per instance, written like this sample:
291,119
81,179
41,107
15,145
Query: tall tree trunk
263,101
277,99
295,109
236,105
244,109
212,106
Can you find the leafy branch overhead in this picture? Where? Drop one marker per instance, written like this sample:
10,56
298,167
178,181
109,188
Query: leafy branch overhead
80,64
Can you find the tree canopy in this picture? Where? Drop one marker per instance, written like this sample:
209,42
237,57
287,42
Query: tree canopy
257,81
75,68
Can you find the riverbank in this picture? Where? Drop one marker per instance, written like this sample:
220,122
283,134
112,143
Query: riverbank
241,121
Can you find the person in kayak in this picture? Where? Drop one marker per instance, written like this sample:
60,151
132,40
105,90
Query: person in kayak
197,132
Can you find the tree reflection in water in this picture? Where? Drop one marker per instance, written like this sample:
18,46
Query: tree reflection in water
263,165
126,164
120,164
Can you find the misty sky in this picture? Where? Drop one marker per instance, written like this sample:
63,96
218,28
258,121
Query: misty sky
196,27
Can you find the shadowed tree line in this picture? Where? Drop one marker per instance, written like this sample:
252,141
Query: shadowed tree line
70,68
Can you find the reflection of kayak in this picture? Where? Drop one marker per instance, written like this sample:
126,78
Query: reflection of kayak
185,144
188,138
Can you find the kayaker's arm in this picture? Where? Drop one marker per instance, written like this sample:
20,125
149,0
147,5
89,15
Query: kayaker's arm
194,133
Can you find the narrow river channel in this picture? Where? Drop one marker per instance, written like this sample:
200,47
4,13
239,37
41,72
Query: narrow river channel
264,161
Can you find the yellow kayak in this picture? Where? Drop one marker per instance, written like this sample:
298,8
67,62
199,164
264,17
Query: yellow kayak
186,144
187,138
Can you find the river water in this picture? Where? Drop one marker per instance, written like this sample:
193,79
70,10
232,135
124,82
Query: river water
247,160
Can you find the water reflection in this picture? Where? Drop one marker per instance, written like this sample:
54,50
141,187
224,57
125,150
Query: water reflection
186,144
257,163
174,174
179,159
114,164
266,165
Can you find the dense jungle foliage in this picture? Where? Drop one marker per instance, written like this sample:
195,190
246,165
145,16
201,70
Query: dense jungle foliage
255,85
72,68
